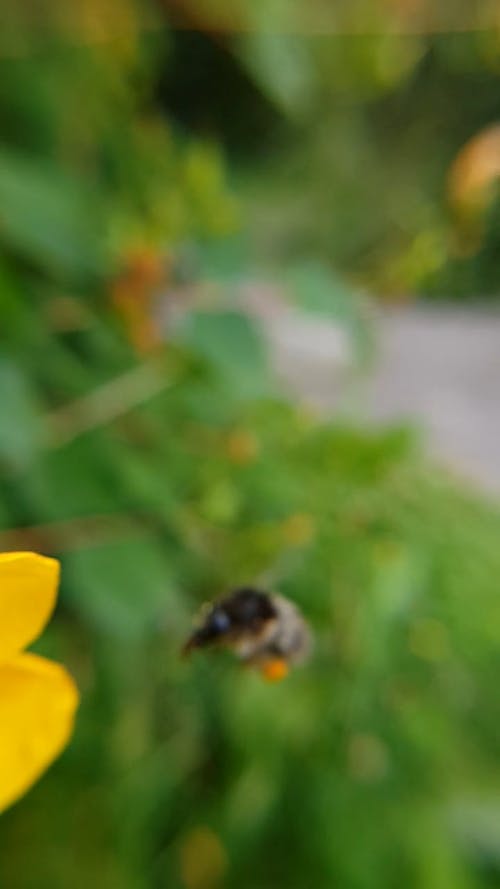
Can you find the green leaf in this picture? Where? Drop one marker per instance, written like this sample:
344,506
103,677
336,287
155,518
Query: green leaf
282,66
317,289
72,482
225,260
123,588
231,343
21,430
49,217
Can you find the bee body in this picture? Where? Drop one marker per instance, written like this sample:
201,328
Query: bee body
263,629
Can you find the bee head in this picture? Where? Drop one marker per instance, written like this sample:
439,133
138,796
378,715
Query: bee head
245,610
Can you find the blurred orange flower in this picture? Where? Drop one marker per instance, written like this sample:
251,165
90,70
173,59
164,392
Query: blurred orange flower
472,185
242,447
133,295
38,698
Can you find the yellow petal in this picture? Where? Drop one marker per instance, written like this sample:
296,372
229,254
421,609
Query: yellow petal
38,700
28,591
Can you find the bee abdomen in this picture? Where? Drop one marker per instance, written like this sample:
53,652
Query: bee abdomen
292,637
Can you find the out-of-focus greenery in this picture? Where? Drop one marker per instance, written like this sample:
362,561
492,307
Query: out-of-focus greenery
143,440
371,122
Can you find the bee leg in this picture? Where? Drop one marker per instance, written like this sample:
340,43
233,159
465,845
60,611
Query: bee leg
274,669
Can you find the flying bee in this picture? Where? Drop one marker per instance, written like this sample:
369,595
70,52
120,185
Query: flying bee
264,630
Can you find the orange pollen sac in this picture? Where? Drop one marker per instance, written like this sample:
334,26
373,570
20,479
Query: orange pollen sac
275,670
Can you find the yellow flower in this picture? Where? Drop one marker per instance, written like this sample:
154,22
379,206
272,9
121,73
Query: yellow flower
38,698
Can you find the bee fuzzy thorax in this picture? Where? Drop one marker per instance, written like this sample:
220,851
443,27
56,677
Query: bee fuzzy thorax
263,629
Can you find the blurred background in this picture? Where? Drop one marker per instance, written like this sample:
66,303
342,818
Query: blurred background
249,278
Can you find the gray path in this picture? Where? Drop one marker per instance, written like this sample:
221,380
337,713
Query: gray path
438,367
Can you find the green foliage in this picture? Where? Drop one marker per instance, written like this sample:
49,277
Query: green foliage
389,729
232,348
369,120
48,218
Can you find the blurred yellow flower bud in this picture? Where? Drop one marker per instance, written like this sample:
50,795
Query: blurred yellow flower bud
298,529
203,859
472,182
242,447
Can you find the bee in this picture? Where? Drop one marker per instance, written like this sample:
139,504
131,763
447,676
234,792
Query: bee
264,630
